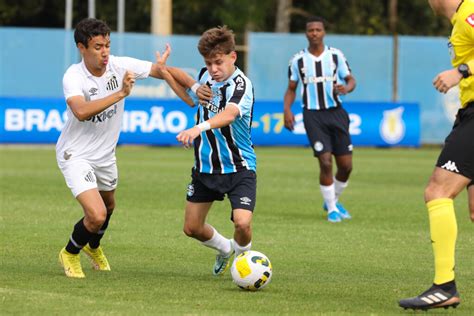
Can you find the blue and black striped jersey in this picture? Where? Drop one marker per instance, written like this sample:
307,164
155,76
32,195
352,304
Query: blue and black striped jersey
228,149
318,76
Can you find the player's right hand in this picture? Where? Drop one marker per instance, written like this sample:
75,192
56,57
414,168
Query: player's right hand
187,137
289,118
128,82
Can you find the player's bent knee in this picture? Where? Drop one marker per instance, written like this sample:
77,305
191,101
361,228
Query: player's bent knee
192,230
95,220
242,226
434,191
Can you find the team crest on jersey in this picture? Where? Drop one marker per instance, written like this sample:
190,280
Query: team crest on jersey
470,20
214,104
112,84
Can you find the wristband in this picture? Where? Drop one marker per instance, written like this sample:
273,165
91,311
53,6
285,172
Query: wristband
194,87
204,126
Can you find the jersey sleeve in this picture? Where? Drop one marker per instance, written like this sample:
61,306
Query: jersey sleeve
199,80
241,95
141,68
343,69
72,84
467,28
293,74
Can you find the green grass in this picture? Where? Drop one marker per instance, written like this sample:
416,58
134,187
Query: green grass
361,266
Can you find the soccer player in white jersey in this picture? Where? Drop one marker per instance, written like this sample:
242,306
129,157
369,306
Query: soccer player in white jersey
94,90
324,74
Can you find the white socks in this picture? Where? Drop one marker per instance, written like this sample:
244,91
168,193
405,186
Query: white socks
219,242
239,249
329,196
339,187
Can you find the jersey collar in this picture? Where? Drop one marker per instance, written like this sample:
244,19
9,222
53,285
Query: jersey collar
88,74
326,48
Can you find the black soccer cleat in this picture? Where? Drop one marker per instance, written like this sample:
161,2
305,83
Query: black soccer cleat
434,297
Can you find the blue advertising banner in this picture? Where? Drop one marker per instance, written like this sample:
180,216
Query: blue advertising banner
157,122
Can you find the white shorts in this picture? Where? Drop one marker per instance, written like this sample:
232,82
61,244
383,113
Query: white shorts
81,175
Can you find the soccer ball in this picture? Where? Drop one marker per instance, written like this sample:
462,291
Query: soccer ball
251,270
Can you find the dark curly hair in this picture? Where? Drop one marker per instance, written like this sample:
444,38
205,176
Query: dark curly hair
89,28
317,19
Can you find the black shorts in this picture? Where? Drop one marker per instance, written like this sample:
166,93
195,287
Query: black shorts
328,131
458,152
240,187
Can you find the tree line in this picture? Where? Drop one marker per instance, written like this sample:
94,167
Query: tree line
192,17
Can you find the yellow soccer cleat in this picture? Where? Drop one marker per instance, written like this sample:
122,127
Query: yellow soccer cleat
97,258
71,264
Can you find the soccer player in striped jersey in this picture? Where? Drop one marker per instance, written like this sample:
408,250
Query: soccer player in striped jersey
454,169
324,74
225,161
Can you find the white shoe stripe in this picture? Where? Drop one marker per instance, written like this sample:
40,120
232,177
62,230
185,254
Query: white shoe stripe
441,296
426,300
75,243
434,298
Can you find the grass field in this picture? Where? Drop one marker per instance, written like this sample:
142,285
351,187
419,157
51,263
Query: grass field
361,266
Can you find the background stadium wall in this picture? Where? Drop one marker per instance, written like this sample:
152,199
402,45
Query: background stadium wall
32,62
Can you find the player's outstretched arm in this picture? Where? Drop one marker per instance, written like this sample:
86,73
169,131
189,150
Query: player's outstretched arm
83,109
160,70
219,120
203,92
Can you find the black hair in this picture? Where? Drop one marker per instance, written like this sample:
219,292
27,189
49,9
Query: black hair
316,19
89,28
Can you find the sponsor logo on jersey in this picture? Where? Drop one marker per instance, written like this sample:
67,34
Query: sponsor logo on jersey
103,116
451,166
214,104
112,84
245,200
314,79
470,20
93,91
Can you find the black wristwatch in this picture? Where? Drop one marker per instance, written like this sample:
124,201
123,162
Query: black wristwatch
464,70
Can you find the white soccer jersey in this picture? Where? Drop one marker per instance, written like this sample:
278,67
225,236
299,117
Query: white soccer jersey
95,139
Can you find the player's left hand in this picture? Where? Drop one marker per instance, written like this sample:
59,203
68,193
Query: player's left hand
162,58
340,89
446,80
187,137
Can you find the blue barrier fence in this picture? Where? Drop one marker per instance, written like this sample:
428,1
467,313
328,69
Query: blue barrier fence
33,61
157,122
